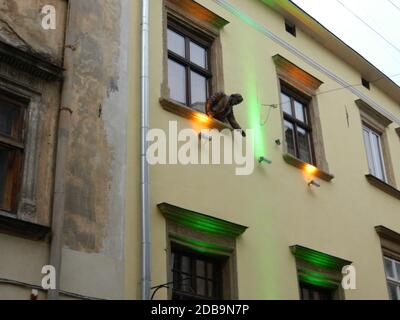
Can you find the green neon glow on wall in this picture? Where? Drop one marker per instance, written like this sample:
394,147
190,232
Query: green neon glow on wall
317,279
201,222
319,259
200,246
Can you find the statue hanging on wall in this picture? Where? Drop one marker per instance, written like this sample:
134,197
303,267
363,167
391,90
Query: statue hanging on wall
220,107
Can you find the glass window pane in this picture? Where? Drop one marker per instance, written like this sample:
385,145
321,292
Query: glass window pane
198,55
201,286
289,136
303,139
186,283
176,43
393,294
185,265
6,179
286,106
177,81
9,117
199,91
210,289
397,270
300,111
367,143
200,268
377,155
389,268
210,271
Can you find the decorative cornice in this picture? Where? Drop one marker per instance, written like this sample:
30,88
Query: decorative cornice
371,112
29,63
201,222
388,234
200,12
319,259
292,73
18,227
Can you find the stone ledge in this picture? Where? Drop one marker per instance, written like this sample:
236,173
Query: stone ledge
382,185
289,159
192,114
17,227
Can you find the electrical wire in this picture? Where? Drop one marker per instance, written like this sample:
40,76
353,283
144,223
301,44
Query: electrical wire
394,5
335,90
365,23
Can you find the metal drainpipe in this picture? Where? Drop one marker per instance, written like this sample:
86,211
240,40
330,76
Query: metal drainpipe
145,205
62,150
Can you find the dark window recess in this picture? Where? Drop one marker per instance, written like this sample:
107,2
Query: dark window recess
365,83
309,292
290,28
189,74
11,152
297,125
195,276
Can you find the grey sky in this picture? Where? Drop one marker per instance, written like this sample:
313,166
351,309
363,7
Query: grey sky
382,15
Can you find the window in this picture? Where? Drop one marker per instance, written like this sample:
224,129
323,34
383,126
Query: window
310,292
290,28
201,260
11,152
297,127
392,269
365,83
195,276
373,147
189,75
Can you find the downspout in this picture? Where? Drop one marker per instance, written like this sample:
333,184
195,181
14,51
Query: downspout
145,205
64,122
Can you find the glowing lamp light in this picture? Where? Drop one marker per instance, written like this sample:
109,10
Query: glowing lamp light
310,169
201,118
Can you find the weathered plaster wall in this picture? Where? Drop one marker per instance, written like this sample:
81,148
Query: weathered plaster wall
95,202
95,207
22,20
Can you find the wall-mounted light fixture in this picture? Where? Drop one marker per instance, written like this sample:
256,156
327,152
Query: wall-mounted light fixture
264,159
204,136
310,169
314,183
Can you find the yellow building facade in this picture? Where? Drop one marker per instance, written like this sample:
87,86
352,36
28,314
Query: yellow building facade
286,230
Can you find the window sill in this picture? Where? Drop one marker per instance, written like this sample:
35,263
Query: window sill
289,159
16,227
191,114
382,185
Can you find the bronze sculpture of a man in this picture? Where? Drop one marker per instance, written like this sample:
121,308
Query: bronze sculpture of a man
220,107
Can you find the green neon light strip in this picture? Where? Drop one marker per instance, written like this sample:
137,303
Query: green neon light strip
200,246
317,279
201,222
319,259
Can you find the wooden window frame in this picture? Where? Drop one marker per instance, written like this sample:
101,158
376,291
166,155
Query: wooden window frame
293,94
303,285
15,144
217,280
205,43
378,123
396,280
372,131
